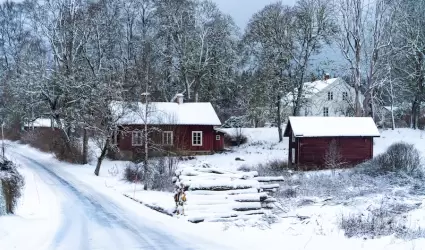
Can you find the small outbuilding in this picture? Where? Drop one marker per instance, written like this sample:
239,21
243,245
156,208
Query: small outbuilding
313,140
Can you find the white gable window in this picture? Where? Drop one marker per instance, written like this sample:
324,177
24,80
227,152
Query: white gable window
137,138
344,96
167,138
325,111
330,96
196,138
217,137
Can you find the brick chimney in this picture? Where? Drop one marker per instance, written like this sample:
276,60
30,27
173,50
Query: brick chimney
179,98
327,76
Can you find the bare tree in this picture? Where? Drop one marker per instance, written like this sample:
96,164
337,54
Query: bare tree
314,22
333,157
409,42
350,40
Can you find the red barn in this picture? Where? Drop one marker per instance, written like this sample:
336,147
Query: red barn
173,127
310,140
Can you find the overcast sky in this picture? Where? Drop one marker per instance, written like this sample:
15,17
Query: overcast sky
242,10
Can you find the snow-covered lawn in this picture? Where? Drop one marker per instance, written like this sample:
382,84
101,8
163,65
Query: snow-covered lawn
311,205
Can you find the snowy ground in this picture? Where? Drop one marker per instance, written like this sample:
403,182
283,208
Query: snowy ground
308,220
60,211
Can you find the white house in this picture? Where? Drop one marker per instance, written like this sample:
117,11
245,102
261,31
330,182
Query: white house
327,97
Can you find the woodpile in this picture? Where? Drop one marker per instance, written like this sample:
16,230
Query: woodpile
214,194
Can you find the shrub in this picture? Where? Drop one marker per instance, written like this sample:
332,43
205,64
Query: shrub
382,221
133,173
273,168
235,140
12,183
244,168
333,157
289,192
48,140
236,122
340,186
400,157
160,175
163,172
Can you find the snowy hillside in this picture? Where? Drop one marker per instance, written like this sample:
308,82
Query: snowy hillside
309,214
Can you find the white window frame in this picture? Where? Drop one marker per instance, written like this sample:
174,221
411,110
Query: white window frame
138,134
196,133
217,137
330,96
167,135
293,137
345,96
325,111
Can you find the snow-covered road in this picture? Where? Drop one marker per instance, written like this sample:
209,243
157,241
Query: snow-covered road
90,220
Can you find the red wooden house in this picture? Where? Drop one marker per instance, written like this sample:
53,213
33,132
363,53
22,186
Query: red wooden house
173,127
310,139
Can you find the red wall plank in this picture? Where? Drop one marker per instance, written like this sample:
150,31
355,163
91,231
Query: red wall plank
182,137
353,150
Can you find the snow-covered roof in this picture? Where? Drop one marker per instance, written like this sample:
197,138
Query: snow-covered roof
312,88
388,108
317,126
41,122
165,113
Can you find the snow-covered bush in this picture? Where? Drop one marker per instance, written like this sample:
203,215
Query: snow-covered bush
159,177
12,183
163,172
235,139
272,168
340,186
237,122
333,156
244,168
51,141
133,172
399,157
382,221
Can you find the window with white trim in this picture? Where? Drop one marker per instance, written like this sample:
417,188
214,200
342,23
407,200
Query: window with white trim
344,96
217,137
167,138
196,138
293,138
325,111
330,96
137,138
